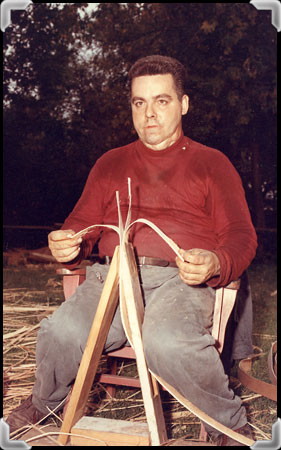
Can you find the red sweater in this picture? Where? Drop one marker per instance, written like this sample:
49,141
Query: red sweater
190,191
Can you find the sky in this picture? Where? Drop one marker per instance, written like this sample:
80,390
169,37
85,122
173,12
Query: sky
91,6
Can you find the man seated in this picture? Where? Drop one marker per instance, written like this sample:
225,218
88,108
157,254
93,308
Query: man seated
192,193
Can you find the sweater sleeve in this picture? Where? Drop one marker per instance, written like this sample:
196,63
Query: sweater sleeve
89,210
236,236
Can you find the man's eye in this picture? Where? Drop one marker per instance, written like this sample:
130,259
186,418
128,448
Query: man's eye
162,102
138,104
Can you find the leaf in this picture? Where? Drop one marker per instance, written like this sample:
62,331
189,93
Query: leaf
208,27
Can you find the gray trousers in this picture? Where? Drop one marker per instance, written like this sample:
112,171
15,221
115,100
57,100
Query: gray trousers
176,335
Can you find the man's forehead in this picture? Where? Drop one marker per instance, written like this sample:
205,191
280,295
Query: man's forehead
153,84
154,97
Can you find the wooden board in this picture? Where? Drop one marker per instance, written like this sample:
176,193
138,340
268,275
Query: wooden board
181,442
94,347
225,300
132,312
98,431
46,436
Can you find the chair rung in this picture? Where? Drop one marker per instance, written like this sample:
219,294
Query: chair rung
119,380
125,352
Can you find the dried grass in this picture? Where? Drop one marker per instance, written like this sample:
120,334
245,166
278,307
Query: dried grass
23,311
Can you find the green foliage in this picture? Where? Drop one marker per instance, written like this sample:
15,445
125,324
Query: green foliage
66,99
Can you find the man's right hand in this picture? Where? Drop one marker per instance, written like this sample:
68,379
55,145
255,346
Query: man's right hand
62,247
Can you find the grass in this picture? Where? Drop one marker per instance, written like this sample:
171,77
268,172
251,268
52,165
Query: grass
37,286
261,411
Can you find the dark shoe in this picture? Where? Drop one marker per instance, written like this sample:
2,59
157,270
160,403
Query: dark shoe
24,415
225,441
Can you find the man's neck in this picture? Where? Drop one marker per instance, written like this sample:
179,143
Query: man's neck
166,143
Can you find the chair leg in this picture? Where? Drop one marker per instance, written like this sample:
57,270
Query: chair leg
203,433
66,402
112,368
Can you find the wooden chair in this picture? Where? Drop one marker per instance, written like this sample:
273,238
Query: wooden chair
225,299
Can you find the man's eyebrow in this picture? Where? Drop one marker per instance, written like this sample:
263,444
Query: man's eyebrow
169,97
156,97
134,99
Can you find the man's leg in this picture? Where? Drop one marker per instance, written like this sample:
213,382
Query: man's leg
180,349
62,339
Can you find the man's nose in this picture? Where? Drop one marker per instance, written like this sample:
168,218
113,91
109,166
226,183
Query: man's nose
150,112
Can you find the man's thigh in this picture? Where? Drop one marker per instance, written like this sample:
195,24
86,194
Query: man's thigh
75,316
177,323
178,303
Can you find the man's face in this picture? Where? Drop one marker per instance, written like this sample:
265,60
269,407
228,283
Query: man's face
157,111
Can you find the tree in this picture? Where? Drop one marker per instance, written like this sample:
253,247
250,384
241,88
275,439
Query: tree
41,95
67,73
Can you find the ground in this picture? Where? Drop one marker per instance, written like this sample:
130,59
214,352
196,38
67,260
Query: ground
33,291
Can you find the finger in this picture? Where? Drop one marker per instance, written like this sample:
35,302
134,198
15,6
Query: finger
65,244
181,264
190,268
59,235
70,257
199,259
192,279
188,258
66,252
196,256
192,274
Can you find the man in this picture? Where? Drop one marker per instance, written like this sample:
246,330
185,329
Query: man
195,196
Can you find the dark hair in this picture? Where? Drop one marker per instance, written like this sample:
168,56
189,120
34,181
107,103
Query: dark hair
160,65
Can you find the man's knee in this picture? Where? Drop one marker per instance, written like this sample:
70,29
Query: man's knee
159,344
62,333
166,345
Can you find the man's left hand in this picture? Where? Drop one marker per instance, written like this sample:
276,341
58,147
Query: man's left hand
199,266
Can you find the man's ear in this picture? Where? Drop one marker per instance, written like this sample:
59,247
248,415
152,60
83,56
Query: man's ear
184,104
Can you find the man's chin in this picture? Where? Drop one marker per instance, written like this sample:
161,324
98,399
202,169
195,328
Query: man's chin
157,143
152,139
